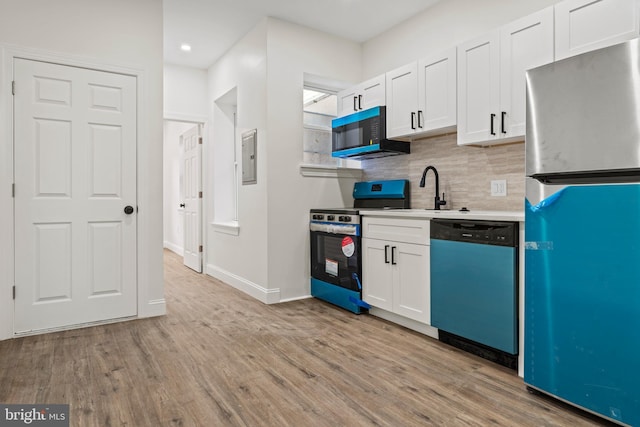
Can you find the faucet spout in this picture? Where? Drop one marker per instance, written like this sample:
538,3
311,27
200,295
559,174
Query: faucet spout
437,201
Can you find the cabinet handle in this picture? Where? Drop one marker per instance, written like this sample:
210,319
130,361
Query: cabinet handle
493,116
504,113
393,255
413,119
359,102
355,105
386,254
419,116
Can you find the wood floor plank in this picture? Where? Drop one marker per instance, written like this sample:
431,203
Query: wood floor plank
221,358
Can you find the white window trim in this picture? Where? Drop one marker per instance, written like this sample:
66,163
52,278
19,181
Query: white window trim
231,228
320,171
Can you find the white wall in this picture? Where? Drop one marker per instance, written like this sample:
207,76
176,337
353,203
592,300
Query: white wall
293,51
239,260
441,26
185,93
117,33
269,258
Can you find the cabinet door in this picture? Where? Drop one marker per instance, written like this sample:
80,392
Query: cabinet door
411,296
524,44
437,91
584,25
478,95
347,102
372,93
402,101
377,275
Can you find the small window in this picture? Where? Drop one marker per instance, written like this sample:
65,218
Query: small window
319,108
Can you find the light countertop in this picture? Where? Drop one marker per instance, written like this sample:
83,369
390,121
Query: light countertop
448,214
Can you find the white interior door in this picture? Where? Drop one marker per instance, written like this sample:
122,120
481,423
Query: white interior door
192,143
75,174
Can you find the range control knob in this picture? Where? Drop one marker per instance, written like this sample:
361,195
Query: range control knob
330,218
347,219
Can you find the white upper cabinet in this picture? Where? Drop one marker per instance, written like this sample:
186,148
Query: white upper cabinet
402,101
524,44
478,88
584,25
491,78
421,96
368,94
437,90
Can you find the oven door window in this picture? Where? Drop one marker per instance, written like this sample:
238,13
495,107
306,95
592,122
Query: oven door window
334,258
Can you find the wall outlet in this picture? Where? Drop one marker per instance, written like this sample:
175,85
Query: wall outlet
499,187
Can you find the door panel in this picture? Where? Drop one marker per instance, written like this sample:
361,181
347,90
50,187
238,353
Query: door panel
525,44
377,275
478,79
53,262
402,101
412,296
75,155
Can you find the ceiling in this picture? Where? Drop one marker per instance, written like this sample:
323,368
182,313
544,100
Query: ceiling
211,27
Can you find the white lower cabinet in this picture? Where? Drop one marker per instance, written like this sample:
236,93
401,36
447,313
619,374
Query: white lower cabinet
395,274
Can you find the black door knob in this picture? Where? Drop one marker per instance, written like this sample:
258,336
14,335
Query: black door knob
128,210
182,205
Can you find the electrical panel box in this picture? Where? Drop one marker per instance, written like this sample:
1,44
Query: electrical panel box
249,160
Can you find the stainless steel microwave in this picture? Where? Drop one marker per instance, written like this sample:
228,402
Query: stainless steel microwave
363,135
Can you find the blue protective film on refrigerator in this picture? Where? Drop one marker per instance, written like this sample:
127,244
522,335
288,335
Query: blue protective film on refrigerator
582,298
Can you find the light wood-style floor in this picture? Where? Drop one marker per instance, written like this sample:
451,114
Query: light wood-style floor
220,358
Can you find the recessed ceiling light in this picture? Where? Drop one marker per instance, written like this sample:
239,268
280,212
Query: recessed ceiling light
185,47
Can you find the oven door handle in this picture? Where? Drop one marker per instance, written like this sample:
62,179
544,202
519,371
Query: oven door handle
346,229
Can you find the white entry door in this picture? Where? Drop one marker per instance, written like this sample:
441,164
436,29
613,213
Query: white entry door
75,195
192,182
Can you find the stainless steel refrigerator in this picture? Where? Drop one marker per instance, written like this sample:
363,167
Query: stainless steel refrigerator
582,231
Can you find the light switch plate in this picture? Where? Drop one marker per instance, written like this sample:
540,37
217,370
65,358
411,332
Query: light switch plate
499,187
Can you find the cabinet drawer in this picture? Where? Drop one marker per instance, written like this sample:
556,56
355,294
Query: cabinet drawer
396,229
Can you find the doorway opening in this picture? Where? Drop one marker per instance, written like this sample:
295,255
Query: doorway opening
182,191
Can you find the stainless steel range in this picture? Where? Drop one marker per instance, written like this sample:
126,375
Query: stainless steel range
335,236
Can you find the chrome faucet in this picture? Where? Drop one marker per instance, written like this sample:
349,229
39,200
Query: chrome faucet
438,202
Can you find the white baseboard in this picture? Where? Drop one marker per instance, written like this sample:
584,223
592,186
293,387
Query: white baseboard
267,296
174,248
296,298
153,308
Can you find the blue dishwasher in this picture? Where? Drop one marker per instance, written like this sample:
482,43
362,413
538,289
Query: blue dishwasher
474,292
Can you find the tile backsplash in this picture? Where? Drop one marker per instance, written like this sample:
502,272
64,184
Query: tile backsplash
465,173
